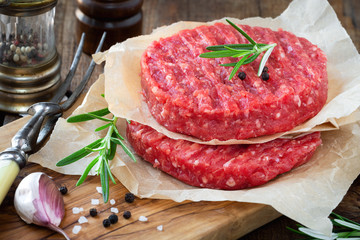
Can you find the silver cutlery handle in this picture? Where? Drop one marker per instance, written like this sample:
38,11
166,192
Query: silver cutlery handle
26,138
11,160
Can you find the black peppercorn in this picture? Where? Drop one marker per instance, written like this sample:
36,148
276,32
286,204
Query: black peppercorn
93,212
265,69
127,214
113,218
106,223
63,190
265,76
242,75
129,197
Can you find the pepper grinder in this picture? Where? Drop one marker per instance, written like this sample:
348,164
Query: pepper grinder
120,19
29,62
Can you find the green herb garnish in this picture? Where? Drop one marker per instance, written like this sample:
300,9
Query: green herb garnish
344,229
105,147
247,52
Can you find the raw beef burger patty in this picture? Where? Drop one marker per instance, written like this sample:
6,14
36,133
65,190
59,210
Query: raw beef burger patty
193,96
221,167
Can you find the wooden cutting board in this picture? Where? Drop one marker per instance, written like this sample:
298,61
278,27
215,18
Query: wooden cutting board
185,220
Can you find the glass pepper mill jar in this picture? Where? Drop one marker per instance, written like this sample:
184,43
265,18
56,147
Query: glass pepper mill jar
29,62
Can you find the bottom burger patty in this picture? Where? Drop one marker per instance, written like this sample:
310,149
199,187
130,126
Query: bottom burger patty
221,167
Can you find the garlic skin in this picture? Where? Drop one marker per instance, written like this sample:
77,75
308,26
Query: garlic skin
37,200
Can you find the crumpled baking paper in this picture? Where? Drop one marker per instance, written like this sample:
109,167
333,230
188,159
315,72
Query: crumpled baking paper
306,194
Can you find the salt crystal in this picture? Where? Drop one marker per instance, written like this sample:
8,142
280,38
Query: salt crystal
76,210
81,209
82,220
95,201
114,210
76,229
99,190
112,201
143,219
160,228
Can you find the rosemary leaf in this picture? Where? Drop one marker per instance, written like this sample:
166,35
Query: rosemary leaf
100,118
109,172
264,59
237,66
111,152
251,59
242,32
239,50
103,127
118,134
234,46
95,149
337,216
104,179
78,154
217,54
125,148
347,224
87,117
229,64
87,170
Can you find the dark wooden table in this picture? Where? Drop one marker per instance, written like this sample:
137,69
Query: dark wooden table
162,12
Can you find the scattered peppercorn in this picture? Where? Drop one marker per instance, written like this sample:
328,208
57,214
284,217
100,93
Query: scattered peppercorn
113,218
106,223
63,190
129,197
242,75
265,76
265,69
127,214
93,212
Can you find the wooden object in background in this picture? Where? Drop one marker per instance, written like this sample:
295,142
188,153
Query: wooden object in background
121,19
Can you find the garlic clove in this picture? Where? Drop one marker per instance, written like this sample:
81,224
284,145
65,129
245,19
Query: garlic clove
37,200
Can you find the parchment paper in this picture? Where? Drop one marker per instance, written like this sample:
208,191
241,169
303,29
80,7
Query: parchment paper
314,20
306,194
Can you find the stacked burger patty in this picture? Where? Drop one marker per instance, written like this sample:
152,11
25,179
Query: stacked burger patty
194,96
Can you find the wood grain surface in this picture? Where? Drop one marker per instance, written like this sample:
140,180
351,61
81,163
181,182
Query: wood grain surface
223,215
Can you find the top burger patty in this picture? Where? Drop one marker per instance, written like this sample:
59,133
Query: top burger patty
193,96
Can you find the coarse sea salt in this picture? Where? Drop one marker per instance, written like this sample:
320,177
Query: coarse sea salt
82,220
76,229
77,210
143,219
160,227
95,201
99,190
112,201
114,210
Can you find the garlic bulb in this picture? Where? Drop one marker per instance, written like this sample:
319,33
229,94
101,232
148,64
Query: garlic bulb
38,200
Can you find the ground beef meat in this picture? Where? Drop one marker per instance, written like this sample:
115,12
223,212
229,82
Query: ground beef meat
193,96
221,167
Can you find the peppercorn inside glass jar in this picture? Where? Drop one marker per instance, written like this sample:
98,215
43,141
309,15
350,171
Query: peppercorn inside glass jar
24,42
29,63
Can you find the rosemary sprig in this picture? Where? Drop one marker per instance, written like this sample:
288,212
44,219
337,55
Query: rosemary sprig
344,229
247,52
105,147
